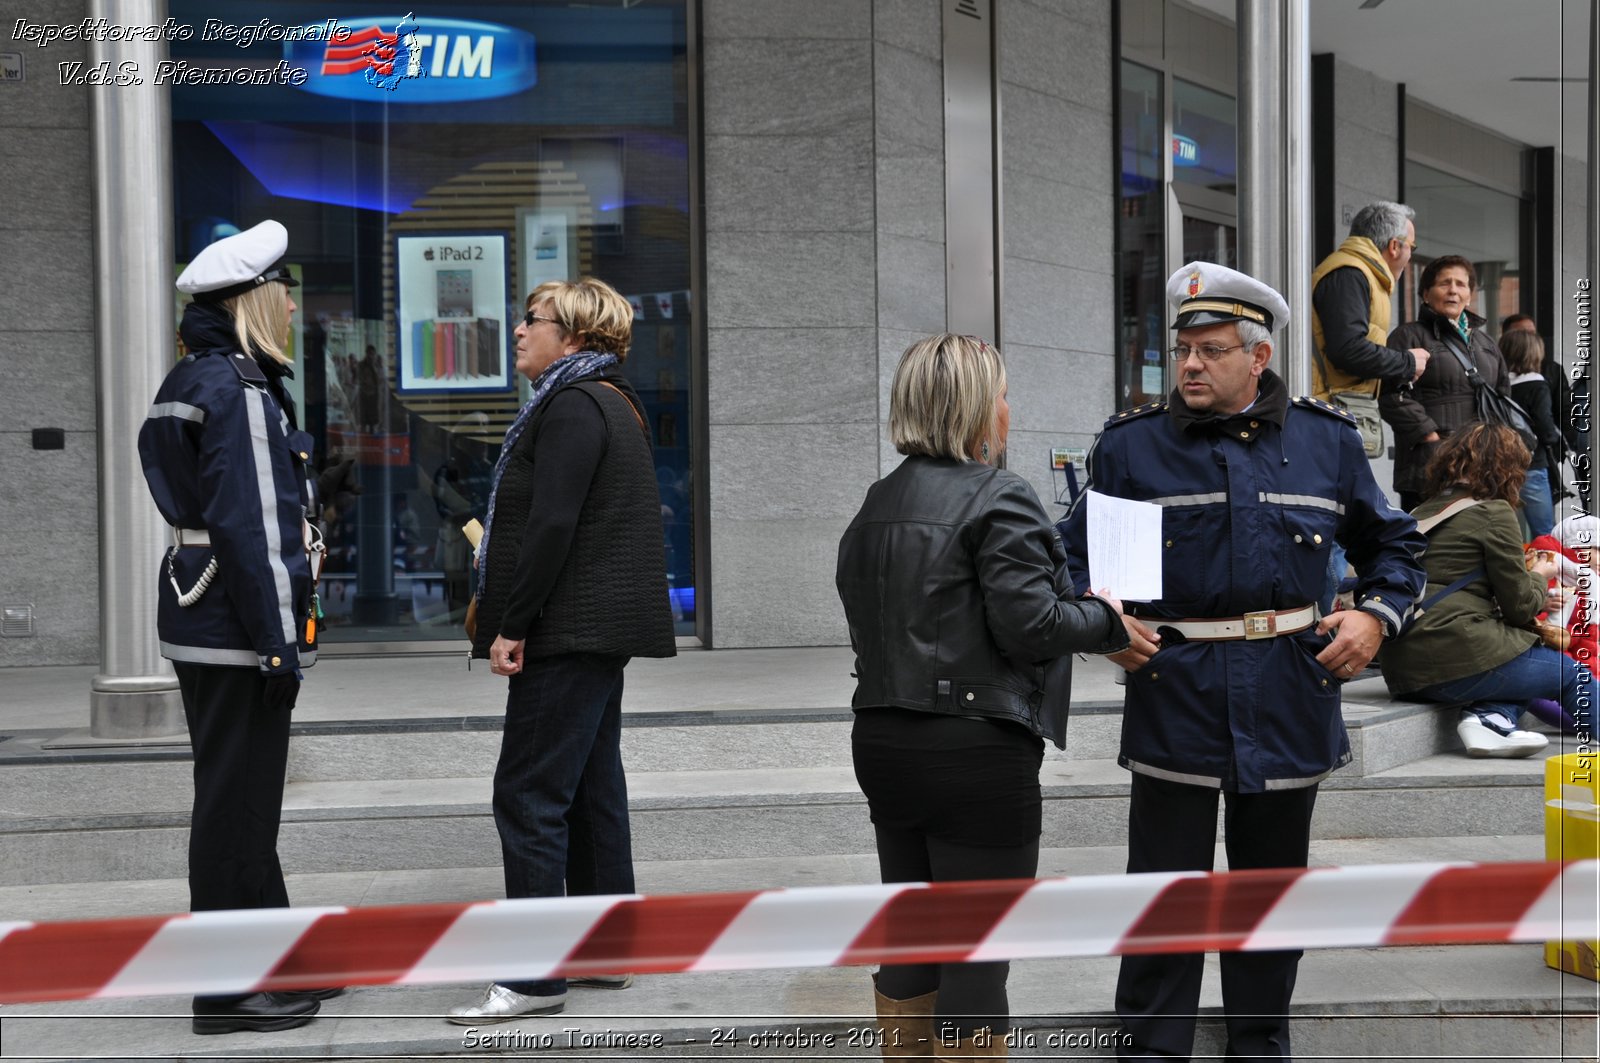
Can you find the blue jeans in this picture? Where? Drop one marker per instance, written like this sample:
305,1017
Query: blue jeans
1538,507
560,799
1540,672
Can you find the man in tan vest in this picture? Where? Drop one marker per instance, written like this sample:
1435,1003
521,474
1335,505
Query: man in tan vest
1352,292
1351,295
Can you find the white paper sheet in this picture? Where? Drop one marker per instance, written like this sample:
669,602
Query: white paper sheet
1124,547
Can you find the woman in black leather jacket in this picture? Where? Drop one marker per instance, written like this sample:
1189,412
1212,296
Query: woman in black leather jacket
954,587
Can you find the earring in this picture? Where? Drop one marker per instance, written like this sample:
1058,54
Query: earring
984,450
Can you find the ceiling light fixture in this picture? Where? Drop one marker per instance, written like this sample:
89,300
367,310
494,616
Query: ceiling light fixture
1368,5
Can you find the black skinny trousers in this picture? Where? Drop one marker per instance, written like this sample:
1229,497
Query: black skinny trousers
241,753
972,996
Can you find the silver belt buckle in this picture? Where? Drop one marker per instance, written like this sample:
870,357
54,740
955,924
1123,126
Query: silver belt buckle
1261,624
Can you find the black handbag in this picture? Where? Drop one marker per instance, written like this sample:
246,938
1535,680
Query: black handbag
1493,407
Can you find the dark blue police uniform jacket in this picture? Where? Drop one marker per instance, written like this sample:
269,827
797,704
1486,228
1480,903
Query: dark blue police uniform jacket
1250,506
221,455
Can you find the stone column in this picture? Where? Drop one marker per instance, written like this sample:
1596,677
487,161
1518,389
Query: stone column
1275,166
135,695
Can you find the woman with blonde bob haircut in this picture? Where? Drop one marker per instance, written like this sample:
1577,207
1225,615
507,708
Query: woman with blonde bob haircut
962,618
945,398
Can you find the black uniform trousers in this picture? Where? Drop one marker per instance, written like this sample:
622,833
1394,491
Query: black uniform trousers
241,753
1172,827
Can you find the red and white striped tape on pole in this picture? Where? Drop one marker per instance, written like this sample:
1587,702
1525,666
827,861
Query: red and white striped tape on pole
296,948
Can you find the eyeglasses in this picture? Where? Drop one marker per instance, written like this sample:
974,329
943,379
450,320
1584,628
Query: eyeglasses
1208,352
530,317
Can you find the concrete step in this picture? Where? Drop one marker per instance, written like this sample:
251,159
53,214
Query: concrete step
48,774
394,824
1479,1002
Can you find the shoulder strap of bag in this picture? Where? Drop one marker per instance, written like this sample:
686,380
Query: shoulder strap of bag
1452,340
1426,526
637,416
1428,602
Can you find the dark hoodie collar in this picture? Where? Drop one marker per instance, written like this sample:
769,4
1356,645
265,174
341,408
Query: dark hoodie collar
1272,402
206,327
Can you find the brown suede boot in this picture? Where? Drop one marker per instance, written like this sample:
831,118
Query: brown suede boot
906,1025
985,1044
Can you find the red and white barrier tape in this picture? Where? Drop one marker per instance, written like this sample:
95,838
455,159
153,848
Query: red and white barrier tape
296,948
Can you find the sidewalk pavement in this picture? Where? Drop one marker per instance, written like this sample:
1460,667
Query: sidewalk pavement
435,684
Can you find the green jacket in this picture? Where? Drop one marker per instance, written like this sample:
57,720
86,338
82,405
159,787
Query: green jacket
1480,626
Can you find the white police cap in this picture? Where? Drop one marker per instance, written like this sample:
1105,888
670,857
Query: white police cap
1204,293
235,264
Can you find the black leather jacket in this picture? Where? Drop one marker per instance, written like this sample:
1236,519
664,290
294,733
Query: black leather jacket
955,588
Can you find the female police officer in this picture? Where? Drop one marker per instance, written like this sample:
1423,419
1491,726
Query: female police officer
227,466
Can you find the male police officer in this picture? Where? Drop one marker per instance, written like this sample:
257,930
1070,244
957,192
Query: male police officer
1234,682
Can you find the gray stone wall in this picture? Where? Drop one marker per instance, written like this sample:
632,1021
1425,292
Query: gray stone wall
48,497
1058,318
791,308
908,142
825,251
1366,167
1366,141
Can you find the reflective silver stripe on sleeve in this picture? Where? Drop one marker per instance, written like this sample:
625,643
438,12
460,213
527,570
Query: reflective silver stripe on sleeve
267,491
210,655
181,410
1212,781
1311,501
1379,607
1215,499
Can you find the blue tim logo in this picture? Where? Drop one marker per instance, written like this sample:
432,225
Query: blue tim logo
423,60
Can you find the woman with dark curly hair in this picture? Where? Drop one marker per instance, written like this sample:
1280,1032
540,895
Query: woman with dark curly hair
1471,642
1441,400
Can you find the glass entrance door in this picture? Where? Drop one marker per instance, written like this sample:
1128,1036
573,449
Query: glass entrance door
1210,239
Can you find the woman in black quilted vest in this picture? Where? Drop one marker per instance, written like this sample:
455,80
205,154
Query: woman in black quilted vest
572,582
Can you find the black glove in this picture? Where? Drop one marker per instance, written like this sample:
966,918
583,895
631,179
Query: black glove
280,691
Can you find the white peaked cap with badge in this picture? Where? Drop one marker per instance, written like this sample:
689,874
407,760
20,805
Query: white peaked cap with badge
235,264
1204,293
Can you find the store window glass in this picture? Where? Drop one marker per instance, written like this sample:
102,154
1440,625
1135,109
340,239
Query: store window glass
1457,217
1204,138
431,171
1140,238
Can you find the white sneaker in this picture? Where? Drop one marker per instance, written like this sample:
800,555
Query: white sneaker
500,1004
1482,740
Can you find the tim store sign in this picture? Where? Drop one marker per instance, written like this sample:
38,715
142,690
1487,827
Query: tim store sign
410,59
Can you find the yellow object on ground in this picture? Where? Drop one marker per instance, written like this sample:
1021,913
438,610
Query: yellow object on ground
1572,832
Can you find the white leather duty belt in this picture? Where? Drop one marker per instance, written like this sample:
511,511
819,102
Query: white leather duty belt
1265,624
182,537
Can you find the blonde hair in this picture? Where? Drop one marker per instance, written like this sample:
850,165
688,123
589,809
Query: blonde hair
259,319
941,404
591,311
